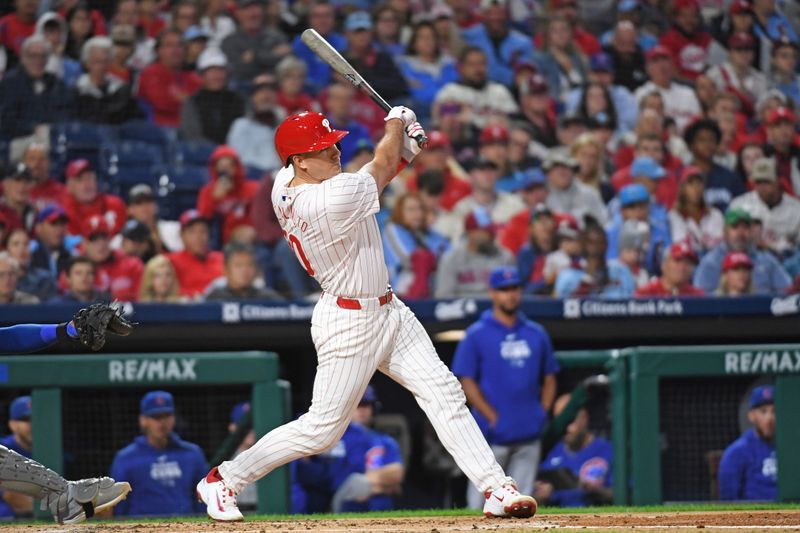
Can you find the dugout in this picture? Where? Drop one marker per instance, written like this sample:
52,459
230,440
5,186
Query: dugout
86,407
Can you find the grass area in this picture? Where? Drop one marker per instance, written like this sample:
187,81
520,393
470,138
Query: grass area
421,513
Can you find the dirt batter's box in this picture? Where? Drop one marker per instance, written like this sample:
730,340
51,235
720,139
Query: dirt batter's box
99,381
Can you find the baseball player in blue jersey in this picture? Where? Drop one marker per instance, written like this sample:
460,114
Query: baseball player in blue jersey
371,470
577,469
507,369
70,502
749,469
162,466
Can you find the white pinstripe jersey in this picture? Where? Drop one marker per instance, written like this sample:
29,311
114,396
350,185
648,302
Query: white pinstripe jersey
332,229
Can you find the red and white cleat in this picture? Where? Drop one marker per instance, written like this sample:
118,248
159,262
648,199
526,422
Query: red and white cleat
507,501
220,500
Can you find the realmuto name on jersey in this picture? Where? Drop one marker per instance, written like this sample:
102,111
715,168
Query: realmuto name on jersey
288,214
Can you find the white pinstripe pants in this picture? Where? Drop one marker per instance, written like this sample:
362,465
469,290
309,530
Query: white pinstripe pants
351,345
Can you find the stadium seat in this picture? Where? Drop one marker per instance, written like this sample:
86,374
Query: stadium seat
79,134
182,183
127,177
146,132
253,173
192,153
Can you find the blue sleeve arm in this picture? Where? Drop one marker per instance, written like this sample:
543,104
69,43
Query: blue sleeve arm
119,474
465,361
731,470
26,338
201,469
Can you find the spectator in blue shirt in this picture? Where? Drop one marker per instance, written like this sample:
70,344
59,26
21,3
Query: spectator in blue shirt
770,23
507,368
635,204
321,17
595,277
502,45
162,467
425,67
21,441
749,468
577,472
703,137
769,277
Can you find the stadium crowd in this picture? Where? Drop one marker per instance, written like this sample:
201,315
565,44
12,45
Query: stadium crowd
611,148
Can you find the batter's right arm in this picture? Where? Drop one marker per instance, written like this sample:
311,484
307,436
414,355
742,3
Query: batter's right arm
383,166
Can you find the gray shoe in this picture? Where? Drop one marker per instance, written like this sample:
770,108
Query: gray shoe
84,498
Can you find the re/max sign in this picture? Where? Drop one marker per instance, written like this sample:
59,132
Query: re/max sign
152,370
762,362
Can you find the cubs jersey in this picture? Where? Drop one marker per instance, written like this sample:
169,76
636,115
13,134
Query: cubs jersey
332,229
749,470
164,479
591,464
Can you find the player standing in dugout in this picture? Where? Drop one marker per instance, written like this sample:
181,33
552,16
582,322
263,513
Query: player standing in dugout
358,326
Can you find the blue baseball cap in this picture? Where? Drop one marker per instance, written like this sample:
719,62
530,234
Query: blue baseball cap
626,6
633,194
20,408
601,62
528,179
239,411
647,167
359,20
52,213
195,32
157,402
504,277
762,395
370,397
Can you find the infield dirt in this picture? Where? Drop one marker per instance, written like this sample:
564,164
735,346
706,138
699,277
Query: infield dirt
648,521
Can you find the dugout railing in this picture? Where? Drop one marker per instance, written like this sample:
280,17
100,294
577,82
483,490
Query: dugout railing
48,376
646,380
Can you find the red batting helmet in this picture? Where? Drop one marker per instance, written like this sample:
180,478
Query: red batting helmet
305,132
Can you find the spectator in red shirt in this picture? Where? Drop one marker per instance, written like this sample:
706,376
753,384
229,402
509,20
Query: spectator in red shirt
46,189
691,45
292,76
196,265
115,272
84,200
568,9
15,203
18,26
164,86
229,195
438,156
532,189
149,19
676,279
780,145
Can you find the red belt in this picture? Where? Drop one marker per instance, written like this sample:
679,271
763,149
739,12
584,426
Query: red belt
355,305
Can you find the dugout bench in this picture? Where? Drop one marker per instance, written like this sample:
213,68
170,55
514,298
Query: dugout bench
46,376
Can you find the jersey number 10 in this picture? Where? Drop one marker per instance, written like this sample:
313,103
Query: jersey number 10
297,248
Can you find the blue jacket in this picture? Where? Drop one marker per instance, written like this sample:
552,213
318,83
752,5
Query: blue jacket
749,470
593,463
163,480
769,277
620,282
319,73
509,365
777,26
722,186
423,82
501,59
660,238
21,109
526,262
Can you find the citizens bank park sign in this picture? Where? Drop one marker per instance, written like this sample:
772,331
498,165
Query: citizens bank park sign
575,308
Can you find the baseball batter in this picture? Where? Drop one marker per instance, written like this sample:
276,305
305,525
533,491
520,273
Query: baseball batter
358,325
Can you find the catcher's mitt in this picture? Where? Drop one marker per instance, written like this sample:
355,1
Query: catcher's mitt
93,322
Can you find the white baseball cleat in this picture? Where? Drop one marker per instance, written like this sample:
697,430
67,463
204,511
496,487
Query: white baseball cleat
220,500
507,501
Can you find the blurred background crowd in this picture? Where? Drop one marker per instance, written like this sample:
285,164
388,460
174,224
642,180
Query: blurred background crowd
611,148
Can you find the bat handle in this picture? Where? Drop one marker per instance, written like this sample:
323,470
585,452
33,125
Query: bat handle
422,140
